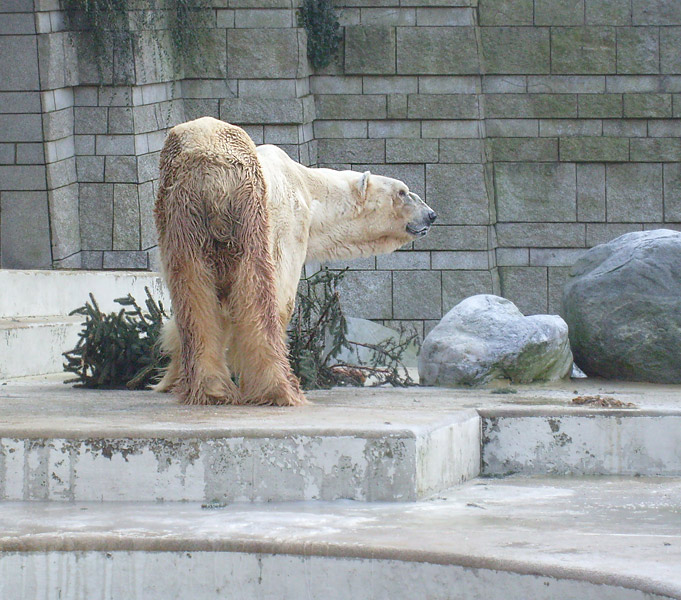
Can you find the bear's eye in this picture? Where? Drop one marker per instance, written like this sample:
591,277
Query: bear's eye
403,194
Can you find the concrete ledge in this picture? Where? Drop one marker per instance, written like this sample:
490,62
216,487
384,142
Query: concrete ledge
34,345
50,293
495,539
34,324
61,443
606,442
142,446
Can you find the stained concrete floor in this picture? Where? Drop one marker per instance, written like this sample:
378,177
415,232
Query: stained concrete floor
623,531
43,404
615,531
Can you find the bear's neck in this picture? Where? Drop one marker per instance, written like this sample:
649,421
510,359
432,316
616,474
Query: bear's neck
334,232
332,191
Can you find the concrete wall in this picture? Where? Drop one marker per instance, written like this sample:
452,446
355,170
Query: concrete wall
536,128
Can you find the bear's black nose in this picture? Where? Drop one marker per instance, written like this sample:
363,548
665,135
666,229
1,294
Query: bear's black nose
432,215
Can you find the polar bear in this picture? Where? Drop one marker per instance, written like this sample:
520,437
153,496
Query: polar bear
236,224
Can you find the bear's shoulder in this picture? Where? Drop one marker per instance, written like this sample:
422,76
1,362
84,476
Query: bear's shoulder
276,157
278,165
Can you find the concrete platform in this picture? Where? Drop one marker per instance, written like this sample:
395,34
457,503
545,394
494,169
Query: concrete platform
110,466
61,443
517,538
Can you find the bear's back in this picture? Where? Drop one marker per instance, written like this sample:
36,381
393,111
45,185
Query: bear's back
212,139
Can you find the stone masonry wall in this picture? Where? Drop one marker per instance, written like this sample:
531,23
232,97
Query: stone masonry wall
536,129
581,104
562,115
24,216
407,101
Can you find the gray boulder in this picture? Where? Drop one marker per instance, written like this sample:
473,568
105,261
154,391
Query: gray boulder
622,303
486,337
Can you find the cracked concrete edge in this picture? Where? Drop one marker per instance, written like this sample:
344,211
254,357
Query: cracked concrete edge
171,433
43,543
72,432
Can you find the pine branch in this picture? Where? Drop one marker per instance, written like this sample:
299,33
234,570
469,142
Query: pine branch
319,318
119,349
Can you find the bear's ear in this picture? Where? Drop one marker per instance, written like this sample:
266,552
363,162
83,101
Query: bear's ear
363,184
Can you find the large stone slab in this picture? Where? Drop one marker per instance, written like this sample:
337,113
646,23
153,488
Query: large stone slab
19,67
25,230
266,53
437,50
623,306
508,50
536,192
370,50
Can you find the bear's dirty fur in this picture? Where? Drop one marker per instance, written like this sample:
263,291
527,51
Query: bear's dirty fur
236,223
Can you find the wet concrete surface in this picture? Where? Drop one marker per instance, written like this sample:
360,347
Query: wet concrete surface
614,531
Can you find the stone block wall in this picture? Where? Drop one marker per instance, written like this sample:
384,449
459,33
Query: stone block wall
582,131
406,101
80,138
24,214
536,129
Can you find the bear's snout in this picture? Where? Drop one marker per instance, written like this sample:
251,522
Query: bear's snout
420,226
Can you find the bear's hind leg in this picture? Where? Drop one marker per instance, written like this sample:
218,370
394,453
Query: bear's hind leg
203,374
258,351
170,346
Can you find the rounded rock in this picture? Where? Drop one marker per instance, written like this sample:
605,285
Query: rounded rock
623,307
486,337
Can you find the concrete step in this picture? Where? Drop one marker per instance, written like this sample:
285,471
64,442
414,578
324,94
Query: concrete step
63,291
35,328
572,441
517,538
61,443
34,345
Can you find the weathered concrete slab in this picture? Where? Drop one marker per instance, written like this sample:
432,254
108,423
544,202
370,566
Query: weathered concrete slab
75,445
605,442
61,443
612,539
63,291
35,328
34,345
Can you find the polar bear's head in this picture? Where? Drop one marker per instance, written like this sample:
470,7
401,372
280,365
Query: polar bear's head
362,214
403,213
383,215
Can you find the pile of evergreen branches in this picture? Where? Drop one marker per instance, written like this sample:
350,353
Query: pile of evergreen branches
318,334
121,349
